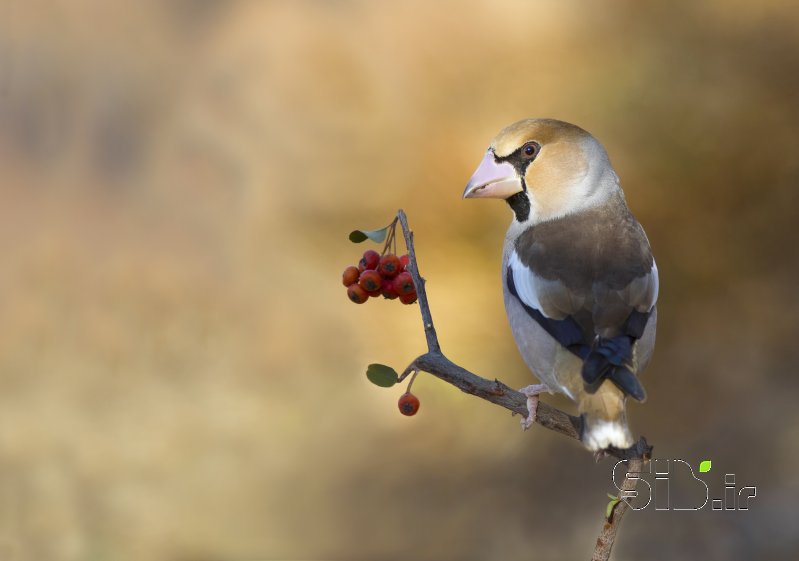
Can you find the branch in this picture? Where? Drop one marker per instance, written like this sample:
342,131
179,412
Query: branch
434,362
607,536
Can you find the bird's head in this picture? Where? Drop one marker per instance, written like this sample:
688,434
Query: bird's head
544,169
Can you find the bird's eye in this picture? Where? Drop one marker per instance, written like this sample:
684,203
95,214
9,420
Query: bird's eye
530,149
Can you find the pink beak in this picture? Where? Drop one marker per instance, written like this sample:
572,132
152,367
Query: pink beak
493,180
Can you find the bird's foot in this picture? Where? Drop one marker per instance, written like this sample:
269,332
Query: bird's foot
600,455
532,392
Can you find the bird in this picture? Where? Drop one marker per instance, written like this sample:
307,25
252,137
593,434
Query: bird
579,280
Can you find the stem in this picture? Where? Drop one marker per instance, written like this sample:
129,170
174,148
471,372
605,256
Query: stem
409,370
427,318
390,237
413,378
607,536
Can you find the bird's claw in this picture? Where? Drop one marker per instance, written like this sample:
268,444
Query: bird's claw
532,392
600,455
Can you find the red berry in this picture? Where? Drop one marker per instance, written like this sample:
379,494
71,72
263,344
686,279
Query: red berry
388,289
357,294
370,260
408,298
370,280
403,283
350,275
408,404
404,260
374,293
389,266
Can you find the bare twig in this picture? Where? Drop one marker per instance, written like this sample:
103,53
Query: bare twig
427,319
498,393
607,536
434,362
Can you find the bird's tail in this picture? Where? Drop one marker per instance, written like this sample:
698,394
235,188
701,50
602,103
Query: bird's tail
604,418
612,359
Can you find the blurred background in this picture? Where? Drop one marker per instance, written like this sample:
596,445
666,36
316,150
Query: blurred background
181,373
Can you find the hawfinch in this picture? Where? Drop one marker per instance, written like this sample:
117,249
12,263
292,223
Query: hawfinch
578,276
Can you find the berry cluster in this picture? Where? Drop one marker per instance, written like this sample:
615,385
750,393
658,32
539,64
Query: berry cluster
376,275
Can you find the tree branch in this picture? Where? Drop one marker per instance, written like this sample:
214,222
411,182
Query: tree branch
607,536
434,362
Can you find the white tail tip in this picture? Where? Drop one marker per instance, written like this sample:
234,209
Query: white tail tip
598,435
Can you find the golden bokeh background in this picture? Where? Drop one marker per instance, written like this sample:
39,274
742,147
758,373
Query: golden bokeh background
181,374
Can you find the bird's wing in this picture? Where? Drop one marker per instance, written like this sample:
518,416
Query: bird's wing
595,266
561,312
601,327
593,294
603,308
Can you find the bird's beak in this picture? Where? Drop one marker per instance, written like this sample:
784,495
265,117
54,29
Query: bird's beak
493,180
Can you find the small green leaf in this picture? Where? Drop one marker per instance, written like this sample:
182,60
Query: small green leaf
377,236
382,375
609,509
704,466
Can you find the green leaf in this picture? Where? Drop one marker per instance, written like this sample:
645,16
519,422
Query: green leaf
382,375
377,236
704,466
609,509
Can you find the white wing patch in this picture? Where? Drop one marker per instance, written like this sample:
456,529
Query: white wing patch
655,283
524,280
